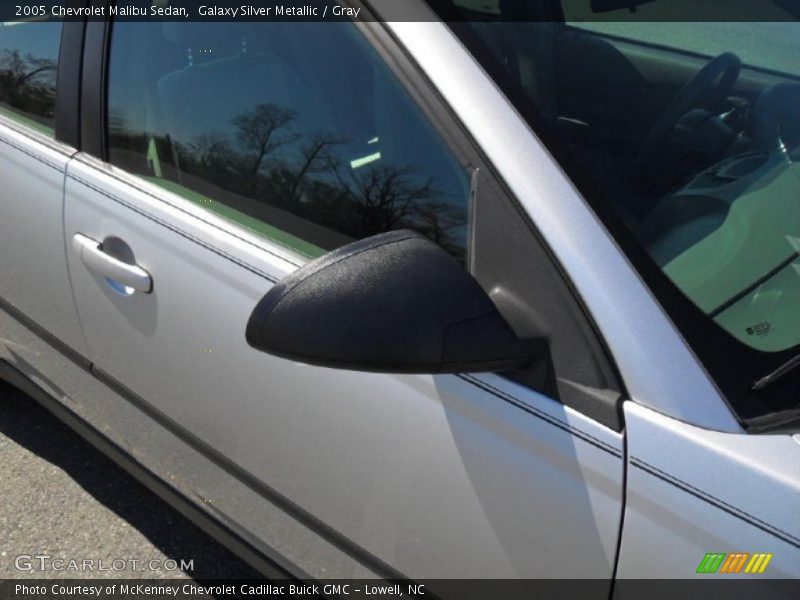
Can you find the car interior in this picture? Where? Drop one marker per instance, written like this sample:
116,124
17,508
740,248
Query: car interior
696,154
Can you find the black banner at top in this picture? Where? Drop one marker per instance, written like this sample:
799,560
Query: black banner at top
403,10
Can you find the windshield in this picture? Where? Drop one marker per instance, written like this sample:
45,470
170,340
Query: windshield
685,137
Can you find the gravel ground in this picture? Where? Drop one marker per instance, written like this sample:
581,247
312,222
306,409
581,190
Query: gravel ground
62,498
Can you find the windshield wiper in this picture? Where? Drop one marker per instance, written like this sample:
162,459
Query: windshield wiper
784,369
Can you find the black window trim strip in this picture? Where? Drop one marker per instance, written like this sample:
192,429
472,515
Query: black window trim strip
758,282
93,84
68,86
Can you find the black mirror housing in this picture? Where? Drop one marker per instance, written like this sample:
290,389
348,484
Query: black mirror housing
392,303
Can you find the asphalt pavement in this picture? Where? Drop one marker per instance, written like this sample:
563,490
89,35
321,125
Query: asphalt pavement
62,499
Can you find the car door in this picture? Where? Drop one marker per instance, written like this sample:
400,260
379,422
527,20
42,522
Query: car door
236,152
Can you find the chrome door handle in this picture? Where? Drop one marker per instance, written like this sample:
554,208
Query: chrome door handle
132,276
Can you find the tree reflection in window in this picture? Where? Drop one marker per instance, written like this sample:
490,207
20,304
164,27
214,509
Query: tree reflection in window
300,134
28,68
263,158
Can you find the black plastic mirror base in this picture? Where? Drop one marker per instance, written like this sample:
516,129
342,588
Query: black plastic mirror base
393,303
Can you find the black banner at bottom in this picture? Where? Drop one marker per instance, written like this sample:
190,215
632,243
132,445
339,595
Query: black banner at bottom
439,589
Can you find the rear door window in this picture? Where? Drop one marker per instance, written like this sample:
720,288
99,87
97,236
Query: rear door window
28,69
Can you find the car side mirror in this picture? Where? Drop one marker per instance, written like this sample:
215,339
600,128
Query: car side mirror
393,303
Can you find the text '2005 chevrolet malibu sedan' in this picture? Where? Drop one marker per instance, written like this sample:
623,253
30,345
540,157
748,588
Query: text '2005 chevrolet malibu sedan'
501,291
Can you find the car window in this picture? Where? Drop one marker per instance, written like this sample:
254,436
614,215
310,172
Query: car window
687,148
297,131
28,68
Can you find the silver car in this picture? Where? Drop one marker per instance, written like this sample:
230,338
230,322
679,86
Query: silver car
497,290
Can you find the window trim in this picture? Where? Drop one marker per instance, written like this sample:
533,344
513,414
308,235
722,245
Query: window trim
94,77
68,81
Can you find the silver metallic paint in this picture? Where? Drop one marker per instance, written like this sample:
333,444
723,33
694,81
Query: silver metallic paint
32,253
692,491
212,489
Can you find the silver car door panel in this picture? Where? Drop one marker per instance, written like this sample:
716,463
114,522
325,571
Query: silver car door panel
53,366
32,253
414,476
201,481
693,491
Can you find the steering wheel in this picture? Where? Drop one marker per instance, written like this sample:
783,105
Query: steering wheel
718,76
774,107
